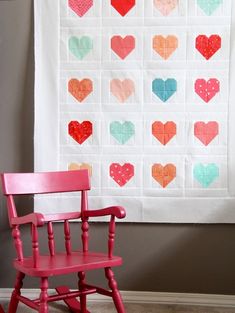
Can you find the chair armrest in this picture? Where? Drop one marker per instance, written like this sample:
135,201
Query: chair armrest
116,211
37,219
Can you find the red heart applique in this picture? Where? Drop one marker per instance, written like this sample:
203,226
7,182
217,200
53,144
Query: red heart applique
164,132
80,7
80,131
121,174
207,89
123,6
206,132
208,46
122,46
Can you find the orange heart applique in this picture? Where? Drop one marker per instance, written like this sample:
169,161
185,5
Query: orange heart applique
165,46
80,166
164,132
163,174
80,89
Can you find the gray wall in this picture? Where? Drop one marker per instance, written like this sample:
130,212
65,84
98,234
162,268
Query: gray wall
157,257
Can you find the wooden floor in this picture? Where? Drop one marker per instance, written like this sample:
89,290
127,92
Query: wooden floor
135,308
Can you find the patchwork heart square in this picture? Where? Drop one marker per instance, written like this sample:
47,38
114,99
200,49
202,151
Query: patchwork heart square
164,132
209,6
206,174
80,47
123,6
165,47
123,46
206,132
164,174
206,90
164,89
166,6
208,46
80,89
80,7
80,166
122,90
80,132
121,174
122,132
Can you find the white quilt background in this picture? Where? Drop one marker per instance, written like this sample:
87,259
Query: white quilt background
83,73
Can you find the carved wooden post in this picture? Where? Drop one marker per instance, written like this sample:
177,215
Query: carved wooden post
111,236
85,225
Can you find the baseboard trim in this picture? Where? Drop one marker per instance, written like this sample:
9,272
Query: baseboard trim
146,297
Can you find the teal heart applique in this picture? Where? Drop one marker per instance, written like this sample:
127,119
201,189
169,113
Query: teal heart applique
205,174
164,89
80,47
209,6
122,132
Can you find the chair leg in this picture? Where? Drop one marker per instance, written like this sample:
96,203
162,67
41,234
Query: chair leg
18,285
43,306
81,285
117,299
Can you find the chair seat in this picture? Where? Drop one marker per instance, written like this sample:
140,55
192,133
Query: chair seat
61,263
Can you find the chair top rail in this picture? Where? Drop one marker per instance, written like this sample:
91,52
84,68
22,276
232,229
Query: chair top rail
45,182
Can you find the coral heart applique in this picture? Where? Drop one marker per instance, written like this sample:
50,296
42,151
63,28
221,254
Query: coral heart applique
80,166
163,174
121,174
122,90
164,89
206,132
123,6
123,46
80,131
209,6
207,89
122,132
208,46
164,132
80,47
166,6
206,174
80,89
165,46
80,7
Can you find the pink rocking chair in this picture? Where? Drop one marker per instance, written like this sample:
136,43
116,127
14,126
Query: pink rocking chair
59,263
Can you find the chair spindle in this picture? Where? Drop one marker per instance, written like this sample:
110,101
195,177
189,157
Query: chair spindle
111,236
67,237
35,245
51,242
18,242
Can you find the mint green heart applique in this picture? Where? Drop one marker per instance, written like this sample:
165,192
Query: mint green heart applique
80,47
206,174
209,6
122,132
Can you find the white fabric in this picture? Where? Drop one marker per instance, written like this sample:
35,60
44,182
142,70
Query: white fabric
185,198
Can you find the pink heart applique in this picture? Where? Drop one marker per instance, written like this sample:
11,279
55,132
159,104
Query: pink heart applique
166,6
80,7
207,89
206,132
122,46
122,90
121,174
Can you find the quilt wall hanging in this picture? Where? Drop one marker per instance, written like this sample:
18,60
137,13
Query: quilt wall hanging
140,93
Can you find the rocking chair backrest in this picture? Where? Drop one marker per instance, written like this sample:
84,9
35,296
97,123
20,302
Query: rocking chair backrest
50,182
